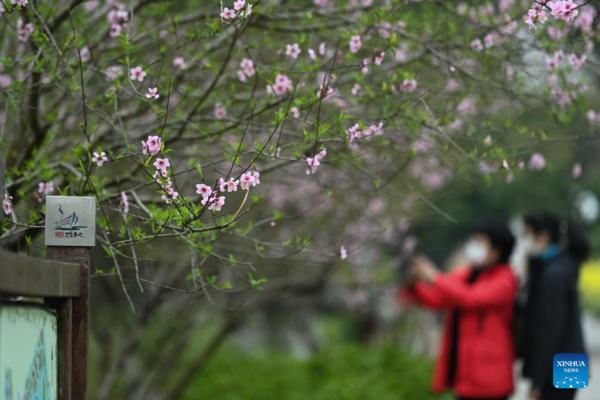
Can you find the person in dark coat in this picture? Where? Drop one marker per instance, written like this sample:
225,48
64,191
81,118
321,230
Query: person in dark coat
477,352
552,313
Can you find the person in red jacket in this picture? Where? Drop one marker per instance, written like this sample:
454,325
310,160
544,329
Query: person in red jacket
477,351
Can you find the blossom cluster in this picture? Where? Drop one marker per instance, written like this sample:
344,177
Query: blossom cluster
565,10
355,133
118,18
315,162
44,189
282,85
237,10
24,30
247,70
212,197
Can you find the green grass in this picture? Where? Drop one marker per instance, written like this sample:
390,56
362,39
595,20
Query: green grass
351,372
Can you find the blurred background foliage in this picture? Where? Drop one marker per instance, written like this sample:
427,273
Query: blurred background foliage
342,371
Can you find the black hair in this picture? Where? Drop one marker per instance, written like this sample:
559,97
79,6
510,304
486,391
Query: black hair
567,233
500,236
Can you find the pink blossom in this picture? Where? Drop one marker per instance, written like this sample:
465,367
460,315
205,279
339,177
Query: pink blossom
477,45
170,196
466,107
506,4
593,117
355,44
356,89
322,94
376,130
321,3
563,98
295,112
379,58
24,31
220,111
489,40
91,5
152,93
228,14
7,205
5,80
537,162
586,18
256,176
21,3
505,165
577,170
46,188
322,49
365,65
153,145
565,10
162,164
292,50
343,253
557,34
535,15
125,202
312,54
99,159
248,10
456,125
85,54
113,72
115,30
281,86
144,148
509,29
204,190
248,70
179,62
315,162
238,5
576,62
231,185
246,180
246,63
117,17
215,203
353,133
554,61
138,74
408,85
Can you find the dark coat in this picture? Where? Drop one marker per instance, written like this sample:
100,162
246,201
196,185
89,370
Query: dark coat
552,317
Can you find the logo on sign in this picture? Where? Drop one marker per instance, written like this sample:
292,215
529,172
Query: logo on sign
67,226
571,371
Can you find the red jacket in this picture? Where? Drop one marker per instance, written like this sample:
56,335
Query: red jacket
485,345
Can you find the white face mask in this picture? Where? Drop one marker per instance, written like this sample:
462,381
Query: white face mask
476,252
529,247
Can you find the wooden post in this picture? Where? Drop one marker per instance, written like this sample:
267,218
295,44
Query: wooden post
75,313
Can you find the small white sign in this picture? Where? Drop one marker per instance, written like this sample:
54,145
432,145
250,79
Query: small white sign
70,221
